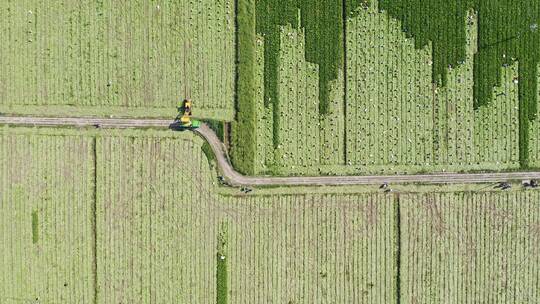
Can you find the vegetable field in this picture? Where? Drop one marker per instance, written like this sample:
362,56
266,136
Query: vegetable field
136,216
463,248
156,236
401,122
138,58
312,249
402,101
46,218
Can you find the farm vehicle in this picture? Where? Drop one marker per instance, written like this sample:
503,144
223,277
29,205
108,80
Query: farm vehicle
184,120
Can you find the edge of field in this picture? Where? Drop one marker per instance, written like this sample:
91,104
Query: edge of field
126,112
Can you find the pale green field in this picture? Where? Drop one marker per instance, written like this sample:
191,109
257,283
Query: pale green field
129,58
322,248
50,259
534,142
464,248
150,233
156,220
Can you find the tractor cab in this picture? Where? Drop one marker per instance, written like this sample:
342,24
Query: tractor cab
184,116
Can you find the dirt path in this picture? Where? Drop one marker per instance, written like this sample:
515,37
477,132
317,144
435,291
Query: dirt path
237,179
445,178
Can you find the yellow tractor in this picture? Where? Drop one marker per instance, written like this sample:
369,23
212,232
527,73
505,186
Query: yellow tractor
184,112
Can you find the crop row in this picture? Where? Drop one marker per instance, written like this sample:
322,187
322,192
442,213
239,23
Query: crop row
105,55
534,136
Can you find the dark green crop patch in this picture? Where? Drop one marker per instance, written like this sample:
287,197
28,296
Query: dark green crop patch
217,126
323,24
222,290
209,153
243,128
508,31
35,227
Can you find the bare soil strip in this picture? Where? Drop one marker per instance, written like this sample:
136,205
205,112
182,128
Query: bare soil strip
236,178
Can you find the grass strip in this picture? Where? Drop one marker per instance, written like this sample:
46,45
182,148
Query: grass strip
209,153
222,291
216,126
243,138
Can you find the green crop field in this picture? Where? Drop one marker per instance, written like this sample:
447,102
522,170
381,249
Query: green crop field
137,217
134,58
311,87
401,99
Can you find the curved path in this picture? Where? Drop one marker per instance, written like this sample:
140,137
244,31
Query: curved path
236,178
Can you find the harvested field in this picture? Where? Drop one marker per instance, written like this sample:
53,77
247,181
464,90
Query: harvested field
135,58
470,248
161,226
312,249
46,218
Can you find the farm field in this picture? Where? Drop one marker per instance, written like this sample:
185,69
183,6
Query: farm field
312,248
391,108
319,87
156,218
46,218
135,59
463,248
143,220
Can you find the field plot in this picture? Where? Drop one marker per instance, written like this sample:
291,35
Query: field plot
291,67
138,58
398,121
312,249
161,222
470,248
402,112
293,136
157,229
46,217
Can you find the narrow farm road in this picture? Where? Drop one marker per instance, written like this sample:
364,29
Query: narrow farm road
236,178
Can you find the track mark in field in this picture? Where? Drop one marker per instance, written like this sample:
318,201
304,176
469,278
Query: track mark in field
94,223
398,248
